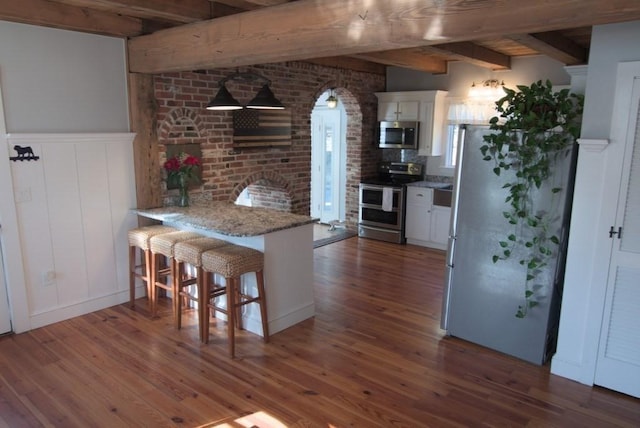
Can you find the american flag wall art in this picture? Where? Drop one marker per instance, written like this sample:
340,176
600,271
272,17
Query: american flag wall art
261,128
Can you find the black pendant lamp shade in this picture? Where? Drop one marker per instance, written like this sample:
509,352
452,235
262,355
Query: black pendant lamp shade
265,99
224,101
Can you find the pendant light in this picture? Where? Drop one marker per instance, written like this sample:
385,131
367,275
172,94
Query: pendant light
264,99
332,101
224,101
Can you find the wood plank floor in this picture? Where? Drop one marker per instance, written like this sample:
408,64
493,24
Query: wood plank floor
373,356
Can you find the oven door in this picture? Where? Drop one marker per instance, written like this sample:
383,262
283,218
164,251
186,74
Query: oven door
371,210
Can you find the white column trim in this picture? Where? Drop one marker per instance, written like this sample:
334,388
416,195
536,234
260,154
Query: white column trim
576,70
592,144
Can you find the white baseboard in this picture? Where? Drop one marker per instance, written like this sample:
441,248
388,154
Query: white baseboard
58,314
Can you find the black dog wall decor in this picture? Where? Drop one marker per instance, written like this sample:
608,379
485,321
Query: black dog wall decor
24,154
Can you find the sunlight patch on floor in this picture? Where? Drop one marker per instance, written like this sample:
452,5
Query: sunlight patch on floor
257,420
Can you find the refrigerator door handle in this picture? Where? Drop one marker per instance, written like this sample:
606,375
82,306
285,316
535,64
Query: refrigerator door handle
446,297
450,247
446,300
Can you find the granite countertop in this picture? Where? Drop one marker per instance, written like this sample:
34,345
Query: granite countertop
431,184
227,218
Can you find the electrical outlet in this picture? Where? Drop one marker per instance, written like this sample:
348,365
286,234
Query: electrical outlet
22,194
48,278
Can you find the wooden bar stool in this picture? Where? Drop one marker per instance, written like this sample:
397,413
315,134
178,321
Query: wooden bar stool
163,245
139,239
231,262
190,252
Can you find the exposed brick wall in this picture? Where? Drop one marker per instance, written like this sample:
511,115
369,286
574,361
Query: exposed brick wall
183,119
264,194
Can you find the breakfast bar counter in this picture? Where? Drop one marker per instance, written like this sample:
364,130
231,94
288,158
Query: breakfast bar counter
286,240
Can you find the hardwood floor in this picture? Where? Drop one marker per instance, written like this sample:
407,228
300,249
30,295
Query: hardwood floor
372,356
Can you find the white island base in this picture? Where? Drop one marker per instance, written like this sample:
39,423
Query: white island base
288,277
286,241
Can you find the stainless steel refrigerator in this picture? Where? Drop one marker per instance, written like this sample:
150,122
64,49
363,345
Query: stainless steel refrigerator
481,298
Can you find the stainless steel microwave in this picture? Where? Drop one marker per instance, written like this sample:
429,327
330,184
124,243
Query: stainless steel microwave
398,135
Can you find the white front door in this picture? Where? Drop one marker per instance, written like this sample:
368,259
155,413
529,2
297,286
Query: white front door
326,161
618,363
5,314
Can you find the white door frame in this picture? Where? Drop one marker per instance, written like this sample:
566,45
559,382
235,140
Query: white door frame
317,164
10,239
5,310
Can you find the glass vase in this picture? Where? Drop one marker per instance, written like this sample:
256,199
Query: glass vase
183,187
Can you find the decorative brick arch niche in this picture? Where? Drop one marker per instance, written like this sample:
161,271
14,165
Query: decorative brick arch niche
182,126
263,189
181,129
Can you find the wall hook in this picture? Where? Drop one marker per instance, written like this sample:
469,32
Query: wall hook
24,154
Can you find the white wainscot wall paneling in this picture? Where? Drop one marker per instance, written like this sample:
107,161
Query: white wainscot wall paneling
74,210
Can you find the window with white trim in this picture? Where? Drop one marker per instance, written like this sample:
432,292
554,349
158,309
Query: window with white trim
464,111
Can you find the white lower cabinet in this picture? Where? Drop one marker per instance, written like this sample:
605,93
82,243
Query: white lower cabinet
440,219
426,224
418,219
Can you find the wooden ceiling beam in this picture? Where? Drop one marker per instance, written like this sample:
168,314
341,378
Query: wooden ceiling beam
414,58
554,46
349,63
306,29
474,54
183,11
50,14
249,4
219,10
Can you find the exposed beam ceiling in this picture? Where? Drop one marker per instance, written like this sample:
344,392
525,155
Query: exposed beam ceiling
554,45
169,35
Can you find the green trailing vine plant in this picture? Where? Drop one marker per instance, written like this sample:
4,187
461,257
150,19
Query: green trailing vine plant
535,125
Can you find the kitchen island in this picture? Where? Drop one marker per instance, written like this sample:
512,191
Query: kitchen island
286,240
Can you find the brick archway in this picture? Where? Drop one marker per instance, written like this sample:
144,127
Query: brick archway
356,135
270,189
182,124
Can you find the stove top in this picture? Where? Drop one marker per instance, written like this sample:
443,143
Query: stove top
396,173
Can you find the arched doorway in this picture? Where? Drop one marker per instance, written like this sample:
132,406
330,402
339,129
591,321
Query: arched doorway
328,160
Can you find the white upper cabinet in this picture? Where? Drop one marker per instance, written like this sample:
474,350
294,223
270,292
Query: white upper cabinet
398,110
426,107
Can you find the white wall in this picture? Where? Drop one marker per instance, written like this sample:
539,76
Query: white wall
62,81
461,75
586,274
73,208
52,81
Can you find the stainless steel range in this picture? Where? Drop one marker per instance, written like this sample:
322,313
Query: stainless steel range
383,200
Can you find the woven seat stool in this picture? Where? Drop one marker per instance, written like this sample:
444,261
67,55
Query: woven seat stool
162,246
190,253
139,240
231,262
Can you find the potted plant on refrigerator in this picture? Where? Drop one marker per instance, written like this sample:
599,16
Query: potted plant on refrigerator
534,127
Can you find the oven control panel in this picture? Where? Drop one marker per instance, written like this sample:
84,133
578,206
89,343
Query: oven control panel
400,168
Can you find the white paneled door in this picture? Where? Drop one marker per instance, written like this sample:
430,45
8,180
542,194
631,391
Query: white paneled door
326,186
618,364
5,314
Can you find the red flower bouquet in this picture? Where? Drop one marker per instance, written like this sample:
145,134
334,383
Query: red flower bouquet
181,170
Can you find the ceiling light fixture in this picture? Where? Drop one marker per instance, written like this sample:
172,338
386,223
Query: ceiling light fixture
491,89
332,101
264,99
